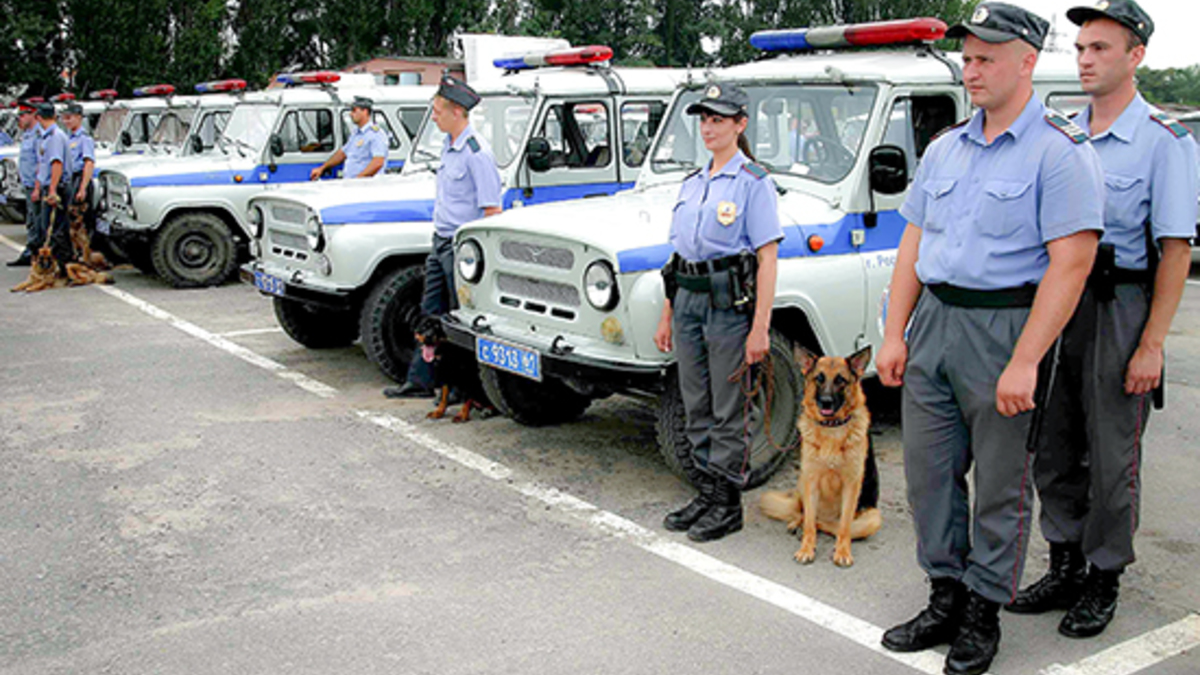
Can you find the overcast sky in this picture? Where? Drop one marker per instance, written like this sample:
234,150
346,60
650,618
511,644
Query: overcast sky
1176,25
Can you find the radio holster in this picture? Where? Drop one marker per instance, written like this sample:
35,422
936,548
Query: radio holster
1103,280
670,281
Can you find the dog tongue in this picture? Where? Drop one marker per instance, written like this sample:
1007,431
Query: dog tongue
427,353
827,411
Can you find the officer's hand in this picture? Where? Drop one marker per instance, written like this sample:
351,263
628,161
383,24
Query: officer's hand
1014,391
315,174
662,336
892,359
1144,372
52,199
758,343
81,196
37,194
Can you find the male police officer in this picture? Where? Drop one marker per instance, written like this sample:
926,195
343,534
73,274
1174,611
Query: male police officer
1003,218
468,188
27,168
365,151
53,184
81,158
1088,458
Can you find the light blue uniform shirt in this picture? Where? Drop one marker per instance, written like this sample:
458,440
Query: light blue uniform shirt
80,147
28,161
366,143
987,210
52,147
467,182
1148,173
733,210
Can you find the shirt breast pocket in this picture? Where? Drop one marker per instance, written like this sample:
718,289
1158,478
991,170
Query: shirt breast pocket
723,222
938,200
1007,206
1123,195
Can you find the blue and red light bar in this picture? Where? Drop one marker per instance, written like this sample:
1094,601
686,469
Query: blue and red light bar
316,77
35,99
63,97
155,90
575,56
104,94
220,85
876,34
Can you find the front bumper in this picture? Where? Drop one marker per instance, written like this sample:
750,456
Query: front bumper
588,376
323,297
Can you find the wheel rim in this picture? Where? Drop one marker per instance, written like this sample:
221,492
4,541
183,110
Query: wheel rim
195,251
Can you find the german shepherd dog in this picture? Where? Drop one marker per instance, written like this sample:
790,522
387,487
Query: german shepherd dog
838,488
43,273
81,241
452,368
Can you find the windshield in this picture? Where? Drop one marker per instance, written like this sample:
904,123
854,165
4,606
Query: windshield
251,124
172,128
109,125
500,120
809,130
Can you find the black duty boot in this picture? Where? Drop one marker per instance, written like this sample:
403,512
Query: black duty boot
1062,586
1090,616
978,637
681,520
935,625
725,515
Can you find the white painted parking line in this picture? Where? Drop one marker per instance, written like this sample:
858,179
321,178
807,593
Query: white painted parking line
251,331
1127,658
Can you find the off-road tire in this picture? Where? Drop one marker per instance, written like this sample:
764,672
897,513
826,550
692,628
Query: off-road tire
388,317
194,249
765,458
314,326
534,404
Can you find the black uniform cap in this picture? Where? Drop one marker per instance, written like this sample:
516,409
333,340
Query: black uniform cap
728,100
362,102
1125,12
998,22
46,111
73,109
453,89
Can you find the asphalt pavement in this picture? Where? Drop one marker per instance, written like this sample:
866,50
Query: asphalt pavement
183,489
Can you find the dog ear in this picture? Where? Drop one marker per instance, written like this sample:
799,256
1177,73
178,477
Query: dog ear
858,360
804,358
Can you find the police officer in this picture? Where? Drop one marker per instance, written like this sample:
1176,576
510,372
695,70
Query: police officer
54,184
1090,454
720,288
1004,214
365,151
81,156
27,168
468,188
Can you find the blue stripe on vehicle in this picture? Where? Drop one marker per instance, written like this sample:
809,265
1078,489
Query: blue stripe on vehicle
884,236
420,210
284,173
560,193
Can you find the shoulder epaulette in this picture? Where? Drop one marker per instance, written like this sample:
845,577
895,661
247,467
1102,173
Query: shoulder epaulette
1169,123
1066,126
374,127
473,144
755,169
959,124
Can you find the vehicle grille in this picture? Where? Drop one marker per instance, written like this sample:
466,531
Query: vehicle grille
537,289
548,256
285,214
288,245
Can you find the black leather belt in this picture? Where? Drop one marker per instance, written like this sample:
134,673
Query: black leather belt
1019,296
706,267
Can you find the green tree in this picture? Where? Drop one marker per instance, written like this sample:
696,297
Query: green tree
118,43
1180,86
31,50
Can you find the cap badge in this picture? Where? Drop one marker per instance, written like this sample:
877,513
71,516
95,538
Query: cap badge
981,14
713,92
726,213
1102,5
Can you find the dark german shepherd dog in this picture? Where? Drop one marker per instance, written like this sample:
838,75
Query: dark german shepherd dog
452,368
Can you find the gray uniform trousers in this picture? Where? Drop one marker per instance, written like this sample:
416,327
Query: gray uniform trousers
35,233
438,298
956,356
710,344
1090,451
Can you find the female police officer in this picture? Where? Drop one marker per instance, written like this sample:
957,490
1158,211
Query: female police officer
725,211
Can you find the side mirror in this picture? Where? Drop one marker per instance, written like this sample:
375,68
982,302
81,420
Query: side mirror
276,145
537,153
197,145
126,139
888,170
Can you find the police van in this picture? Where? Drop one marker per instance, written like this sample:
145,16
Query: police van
1192,122
184,218
563,126
560,303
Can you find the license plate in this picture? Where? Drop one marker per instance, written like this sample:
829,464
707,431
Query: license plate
3,199
103,226
509,358
269,284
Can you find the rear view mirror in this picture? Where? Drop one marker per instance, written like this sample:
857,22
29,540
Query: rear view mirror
197,145
126,139
888,169
537,153
276,145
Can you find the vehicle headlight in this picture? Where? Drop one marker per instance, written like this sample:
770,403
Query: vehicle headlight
314,234
470,260
600,285
256,221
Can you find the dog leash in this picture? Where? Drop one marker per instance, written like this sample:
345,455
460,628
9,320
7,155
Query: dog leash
752,383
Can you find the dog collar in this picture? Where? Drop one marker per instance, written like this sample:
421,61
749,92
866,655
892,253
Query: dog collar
835,423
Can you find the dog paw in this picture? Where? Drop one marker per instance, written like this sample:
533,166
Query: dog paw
794,526
807,552
435,415
843,559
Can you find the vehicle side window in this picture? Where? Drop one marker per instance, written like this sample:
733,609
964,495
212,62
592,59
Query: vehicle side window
578,134
379,120
639,124
141,127
307,131
914,122
410,119
211,127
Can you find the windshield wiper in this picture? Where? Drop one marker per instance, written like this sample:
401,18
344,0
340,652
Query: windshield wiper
672,162
424,152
